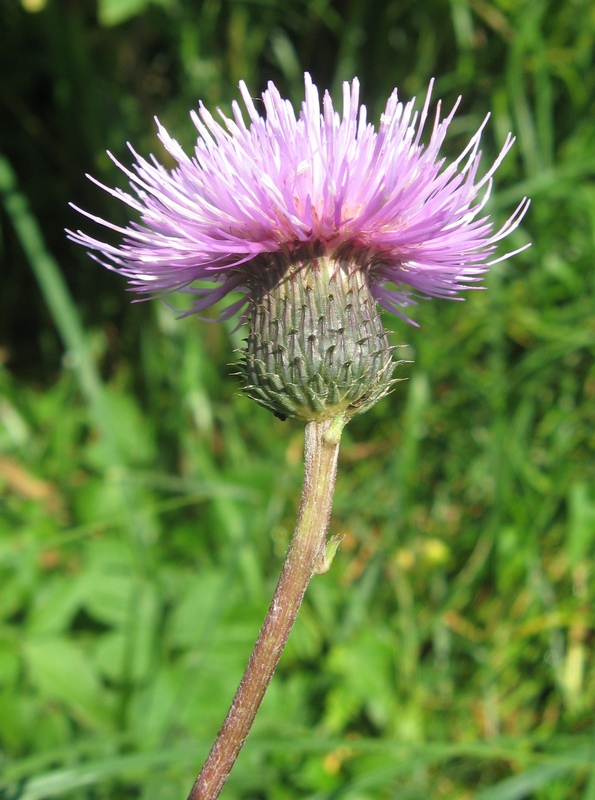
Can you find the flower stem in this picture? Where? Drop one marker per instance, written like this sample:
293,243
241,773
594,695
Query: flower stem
306,556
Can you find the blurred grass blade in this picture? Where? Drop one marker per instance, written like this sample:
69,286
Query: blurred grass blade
58,782
70,328
524,785
55,291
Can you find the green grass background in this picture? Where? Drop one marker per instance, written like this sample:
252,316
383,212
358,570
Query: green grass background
146,505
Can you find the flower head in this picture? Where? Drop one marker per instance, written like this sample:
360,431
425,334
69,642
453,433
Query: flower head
317,183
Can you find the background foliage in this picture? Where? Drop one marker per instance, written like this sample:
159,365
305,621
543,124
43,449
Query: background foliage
146,506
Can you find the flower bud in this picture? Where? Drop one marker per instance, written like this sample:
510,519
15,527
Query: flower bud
316,346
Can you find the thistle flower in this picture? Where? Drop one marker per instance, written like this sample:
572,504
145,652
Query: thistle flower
315,219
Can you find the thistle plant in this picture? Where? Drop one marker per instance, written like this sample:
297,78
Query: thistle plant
318,221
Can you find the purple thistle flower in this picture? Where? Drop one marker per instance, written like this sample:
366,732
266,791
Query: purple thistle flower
318,184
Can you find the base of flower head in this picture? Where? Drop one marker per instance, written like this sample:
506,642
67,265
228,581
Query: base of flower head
316,346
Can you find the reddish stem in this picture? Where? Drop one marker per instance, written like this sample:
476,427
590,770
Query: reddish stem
306,556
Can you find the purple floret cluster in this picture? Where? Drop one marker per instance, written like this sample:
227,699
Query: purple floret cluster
318,182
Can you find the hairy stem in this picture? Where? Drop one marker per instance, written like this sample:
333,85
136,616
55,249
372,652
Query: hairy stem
306,555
